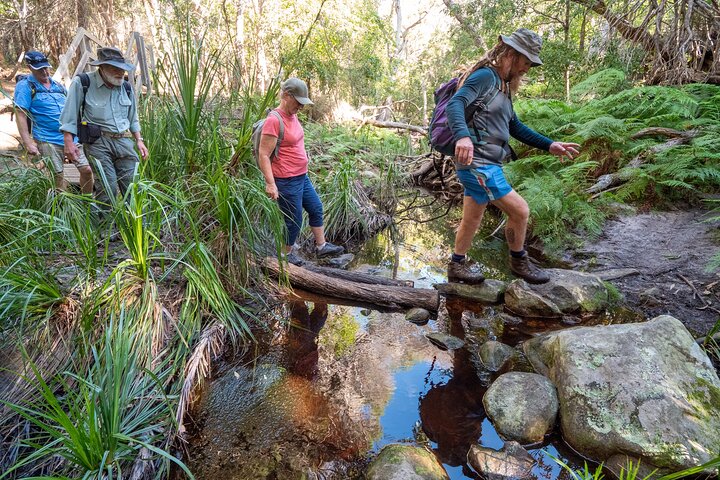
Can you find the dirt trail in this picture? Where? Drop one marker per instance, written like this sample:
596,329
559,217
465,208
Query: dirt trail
663,247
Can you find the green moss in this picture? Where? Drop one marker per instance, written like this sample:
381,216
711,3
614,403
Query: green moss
614,297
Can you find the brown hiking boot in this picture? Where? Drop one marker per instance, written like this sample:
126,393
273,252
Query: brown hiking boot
465,272
525,269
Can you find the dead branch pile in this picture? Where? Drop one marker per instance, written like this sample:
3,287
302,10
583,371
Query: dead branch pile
436,172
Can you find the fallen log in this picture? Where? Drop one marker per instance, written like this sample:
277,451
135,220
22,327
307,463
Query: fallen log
604,182
358,277
384,295
397,125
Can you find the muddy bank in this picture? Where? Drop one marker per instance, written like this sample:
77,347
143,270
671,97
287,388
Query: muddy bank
663,247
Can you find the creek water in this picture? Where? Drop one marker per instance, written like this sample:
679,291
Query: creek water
331,384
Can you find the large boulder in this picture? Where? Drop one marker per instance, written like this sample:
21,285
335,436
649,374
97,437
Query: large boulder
511,462
405,462
495,355
567,291
522,406
645,390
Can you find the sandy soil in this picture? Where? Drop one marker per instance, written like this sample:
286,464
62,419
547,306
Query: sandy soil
668,250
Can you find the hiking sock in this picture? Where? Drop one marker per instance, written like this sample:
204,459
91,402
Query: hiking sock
319,247
457,258
519,254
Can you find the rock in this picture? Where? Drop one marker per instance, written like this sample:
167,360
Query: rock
567,291
511,462
494,355
522,300
490,291
648,297
646,390
405,462
522,406
615,273
337,262
444,341
418,316
487,327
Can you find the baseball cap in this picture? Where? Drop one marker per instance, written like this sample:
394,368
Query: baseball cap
36,60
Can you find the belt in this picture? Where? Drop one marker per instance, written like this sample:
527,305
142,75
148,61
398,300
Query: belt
125,134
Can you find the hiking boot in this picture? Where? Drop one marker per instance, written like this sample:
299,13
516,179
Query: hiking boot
329,250
294,259
467,271
525,269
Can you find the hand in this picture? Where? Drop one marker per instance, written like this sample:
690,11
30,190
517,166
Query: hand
464,151
143,149
71,151
563,149
271,190
32,149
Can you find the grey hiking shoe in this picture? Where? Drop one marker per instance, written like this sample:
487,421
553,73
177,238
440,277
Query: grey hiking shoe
468,271
525,269
329,250
294,259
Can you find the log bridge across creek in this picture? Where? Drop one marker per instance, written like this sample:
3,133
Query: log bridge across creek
355,286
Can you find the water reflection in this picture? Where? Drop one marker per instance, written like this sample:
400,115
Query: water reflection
302,347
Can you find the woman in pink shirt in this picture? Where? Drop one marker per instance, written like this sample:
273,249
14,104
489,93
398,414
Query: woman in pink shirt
286,178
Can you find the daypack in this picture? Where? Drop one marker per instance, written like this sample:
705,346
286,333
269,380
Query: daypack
257,133
441,136
19,78
85,82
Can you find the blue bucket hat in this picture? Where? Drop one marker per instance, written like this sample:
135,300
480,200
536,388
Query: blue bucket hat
112,56
36,60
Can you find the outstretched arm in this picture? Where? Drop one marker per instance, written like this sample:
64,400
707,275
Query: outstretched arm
532,138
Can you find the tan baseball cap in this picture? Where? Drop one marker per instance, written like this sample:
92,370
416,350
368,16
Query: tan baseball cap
298,89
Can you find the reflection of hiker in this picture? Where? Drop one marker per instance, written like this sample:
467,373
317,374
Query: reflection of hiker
286,178
482,145
110,109
302,338
41,99
452,414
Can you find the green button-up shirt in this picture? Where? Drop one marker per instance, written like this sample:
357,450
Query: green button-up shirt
109,107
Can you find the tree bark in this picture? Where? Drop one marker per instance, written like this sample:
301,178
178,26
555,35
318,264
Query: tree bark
467,25
358,277
383,295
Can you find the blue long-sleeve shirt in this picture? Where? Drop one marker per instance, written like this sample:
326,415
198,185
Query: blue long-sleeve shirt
498,120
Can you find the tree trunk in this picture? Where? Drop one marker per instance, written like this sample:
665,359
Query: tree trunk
383,295
358,277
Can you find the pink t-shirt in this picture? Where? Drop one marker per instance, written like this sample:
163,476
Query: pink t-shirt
292,158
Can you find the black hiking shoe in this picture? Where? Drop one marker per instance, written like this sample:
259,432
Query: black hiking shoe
467,271
525,269
329,250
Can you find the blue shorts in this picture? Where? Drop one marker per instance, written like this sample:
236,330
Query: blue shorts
485,183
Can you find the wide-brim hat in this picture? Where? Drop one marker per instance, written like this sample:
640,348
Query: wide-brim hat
36,60
526,42
298,89
112,56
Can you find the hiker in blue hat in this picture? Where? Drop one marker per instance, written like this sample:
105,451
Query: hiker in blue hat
40,100
481,146
102,110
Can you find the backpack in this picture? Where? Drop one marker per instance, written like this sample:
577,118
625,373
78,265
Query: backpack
440,134
19,78
85,82
257,133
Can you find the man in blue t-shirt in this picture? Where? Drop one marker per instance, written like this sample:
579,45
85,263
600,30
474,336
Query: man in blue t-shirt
40,101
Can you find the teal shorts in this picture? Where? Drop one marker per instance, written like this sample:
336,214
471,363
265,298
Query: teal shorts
485,183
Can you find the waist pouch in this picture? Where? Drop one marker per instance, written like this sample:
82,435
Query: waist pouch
88,132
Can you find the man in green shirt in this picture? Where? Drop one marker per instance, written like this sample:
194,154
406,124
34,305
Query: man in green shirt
107,104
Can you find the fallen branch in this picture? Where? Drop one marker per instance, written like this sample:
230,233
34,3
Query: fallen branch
389,296
604,182
397,125
359,277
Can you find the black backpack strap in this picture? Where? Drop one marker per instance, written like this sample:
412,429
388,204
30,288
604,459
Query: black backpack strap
85,82
128,88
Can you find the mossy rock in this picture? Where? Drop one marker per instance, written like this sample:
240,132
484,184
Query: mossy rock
405,462
644,390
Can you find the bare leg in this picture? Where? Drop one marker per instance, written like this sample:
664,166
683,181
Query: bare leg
516,208
471,220
319,234
86,180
